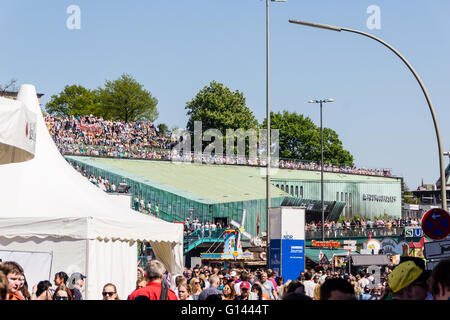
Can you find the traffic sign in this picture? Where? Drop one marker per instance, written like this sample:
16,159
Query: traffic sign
324,260
436,224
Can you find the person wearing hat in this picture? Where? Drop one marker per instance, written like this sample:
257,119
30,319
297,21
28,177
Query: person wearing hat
76,282
408,282
245,292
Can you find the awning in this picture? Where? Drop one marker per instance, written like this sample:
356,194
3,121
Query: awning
370,259
333,209
313,253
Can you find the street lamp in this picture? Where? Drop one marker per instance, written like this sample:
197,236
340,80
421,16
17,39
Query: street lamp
422,86
268,131
321,162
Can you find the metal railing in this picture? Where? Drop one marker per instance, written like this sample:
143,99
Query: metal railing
201,236
154,153
355,233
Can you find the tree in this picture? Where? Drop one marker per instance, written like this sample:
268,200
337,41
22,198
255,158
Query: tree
220,108
299,138
125,99
74,100
10,86
408,196
163,129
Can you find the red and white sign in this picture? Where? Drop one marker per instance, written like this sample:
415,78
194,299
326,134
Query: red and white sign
436,224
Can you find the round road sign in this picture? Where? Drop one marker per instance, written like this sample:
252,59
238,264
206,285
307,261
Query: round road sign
436,224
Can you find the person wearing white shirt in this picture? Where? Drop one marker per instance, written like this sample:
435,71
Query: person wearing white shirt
310,285
363,282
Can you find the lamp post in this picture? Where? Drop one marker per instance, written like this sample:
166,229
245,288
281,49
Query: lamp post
422,86
268,132
321,162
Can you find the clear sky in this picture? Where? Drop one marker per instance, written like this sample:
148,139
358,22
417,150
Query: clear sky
176,47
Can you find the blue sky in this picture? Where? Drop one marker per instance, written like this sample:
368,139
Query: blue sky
175,48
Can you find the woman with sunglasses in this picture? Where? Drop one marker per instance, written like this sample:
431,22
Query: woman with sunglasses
228,292
62,293
110,292
196,288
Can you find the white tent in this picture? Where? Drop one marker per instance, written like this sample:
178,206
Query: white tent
47,206
17,132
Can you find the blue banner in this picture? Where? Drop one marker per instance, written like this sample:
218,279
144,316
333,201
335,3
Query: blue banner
293,258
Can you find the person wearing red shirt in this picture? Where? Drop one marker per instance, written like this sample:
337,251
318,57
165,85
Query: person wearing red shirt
152,291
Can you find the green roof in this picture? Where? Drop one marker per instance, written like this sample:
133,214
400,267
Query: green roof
295,174
203,183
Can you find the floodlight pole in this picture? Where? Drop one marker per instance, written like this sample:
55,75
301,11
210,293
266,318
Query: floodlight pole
422,86
268,205
321,163
268,138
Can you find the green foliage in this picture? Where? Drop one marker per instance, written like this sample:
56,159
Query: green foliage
74,100
125,99
299,138
219,108
163,129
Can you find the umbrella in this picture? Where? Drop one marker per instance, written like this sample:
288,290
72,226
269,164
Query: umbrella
17,132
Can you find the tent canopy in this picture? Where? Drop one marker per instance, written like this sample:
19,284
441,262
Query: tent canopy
17,132
47,197
45,200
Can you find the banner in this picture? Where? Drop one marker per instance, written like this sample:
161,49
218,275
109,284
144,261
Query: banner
287,241
36,265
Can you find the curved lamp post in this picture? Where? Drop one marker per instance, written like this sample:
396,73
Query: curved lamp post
427,97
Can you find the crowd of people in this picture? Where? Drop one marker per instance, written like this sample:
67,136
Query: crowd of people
409,280
14,286
93,136
98,137
364,224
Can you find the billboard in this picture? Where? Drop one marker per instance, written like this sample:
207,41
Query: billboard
287,241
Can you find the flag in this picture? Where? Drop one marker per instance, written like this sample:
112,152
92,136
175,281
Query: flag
422,241
257,225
